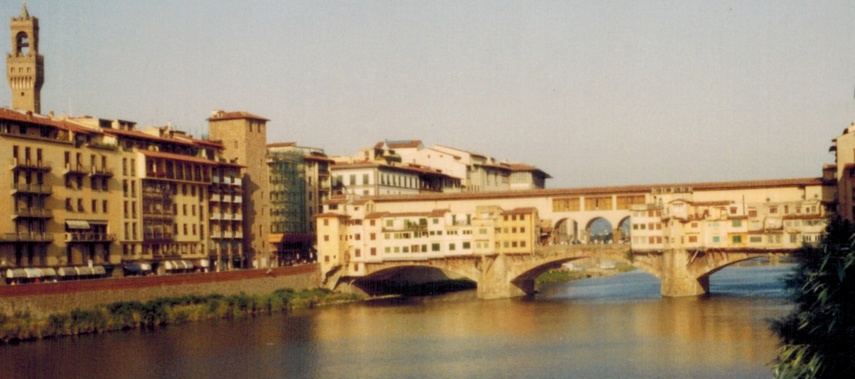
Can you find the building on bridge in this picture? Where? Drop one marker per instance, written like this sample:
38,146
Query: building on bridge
763,219
353,234
680,233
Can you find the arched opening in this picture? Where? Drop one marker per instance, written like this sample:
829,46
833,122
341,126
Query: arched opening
761,276
566,232
599,231
413,281
22,40
623,233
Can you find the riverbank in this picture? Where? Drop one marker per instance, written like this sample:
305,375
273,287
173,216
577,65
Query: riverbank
127,315
563,275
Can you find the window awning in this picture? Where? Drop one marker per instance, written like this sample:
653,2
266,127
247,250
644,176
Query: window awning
76,224
33,272
66,271
48,272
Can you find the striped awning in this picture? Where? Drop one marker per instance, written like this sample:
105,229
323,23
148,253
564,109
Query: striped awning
77,224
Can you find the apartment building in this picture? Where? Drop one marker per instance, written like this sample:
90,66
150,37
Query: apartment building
765,219
470,172
351,233
299,184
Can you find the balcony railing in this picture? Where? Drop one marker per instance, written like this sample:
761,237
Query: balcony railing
216,216
157,236
26,237
102,171
30,164
39,189
76,169
89,237
31,213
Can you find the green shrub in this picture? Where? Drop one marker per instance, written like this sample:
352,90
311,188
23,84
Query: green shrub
817,336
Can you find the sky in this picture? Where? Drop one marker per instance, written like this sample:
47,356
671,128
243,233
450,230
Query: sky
595,93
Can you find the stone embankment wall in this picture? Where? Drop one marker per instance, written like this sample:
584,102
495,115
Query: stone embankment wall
46,298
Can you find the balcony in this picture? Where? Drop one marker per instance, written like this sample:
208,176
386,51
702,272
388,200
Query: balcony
215,197
237,199
102,172
31,213
31,189
89,237
76,169
37,165
27,237
157,236
216,216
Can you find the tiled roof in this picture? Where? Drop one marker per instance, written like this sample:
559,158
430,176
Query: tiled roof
589,191
13,115
145,136
220,116
177,157
282,144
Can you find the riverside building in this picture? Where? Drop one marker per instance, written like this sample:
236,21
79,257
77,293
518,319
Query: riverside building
93,197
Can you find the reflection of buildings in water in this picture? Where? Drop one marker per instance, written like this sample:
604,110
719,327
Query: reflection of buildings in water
692,320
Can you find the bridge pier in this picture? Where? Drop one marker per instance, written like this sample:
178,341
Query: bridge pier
495,281
677,279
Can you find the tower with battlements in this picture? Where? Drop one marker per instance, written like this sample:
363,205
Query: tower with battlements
25,67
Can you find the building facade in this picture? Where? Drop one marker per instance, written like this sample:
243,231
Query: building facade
242,133
299,184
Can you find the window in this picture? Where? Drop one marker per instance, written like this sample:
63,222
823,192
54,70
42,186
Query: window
326,237
736,239
326,222
451,247
434,247
736,223
373,236
373,251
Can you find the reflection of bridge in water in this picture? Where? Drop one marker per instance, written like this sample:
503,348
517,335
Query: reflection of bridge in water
503,241
681,273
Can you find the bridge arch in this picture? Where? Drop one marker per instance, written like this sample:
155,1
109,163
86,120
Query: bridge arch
598,230
623,232
566,231
386,280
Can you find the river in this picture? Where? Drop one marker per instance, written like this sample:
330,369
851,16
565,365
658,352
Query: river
615,327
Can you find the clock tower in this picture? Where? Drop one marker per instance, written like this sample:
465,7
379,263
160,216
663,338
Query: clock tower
25,67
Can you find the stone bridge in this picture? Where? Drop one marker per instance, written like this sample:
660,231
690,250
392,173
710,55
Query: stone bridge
681,272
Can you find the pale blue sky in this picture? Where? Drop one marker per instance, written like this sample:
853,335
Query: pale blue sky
593,92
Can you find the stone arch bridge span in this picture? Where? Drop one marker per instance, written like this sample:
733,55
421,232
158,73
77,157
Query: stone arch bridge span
681,273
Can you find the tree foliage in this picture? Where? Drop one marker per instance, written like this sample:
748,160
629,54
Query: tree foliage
818,336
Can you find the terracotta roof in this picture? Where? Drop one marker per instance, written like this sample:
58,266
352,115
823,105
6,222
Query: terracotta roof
375,215
146,136
401,144
521,210
221,116
11,114
528,168
177,157
282,144
331,214
439,212
613,190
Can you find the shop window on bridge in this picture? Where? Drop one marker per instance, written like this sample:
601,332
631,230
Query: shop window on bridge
602,203
624,202
736,223
565,205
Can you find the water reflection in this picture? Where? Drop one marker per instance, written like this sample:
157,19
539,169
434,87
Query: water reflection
615,327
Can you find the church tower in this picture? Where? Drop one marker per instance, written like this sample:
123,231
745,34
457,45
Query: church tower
25,67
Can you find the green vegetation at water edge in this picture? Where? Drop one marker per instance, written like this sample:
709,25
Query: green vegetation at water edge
161,311
562,275
817,336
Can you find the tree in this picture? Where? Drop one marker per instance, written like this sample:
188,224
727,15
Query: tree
818,336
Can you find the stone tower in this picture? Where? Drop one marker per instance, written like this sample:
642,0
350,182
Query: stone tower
244,137
25,67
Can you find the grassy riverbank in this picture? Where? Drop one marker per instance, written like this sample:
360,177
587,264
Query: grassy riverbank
161,311
561,275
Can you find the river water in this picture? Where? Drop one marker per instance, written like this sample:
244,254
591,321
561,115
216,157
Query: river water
616,327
